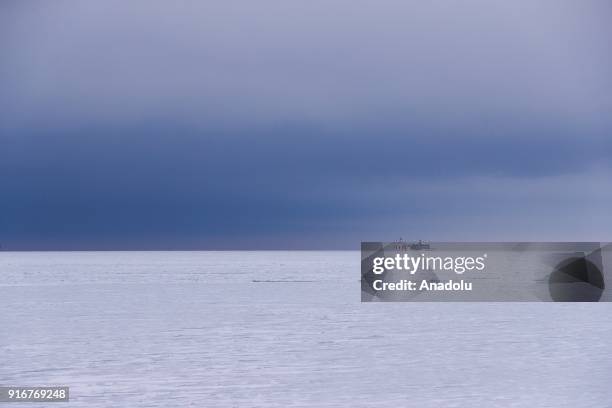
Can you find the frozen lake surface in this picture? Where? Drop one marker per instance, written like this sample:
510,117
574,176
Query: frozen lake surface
179,329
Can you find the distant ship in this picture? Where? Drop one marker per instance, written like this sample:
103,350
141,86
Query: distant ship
401,245
417,246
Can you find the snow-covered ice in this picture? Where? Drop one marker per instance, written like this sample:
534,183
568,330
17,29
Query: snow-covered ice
281,329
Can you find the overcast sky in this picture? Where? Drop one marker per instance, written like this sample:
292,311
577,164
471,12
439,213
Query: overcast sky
303,124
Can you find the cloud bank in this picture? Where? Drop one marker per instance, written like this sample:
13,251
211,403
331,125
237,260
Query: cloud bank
285,124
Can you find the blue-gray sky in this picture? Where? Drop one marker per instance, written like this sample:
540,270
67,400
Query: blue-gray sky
303,124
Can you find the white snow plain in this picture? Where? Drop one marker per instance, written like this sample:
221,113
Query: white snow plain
281,329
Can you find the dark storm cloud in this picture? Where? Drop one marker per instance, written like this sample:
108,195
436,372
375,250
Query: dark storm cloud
293,124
